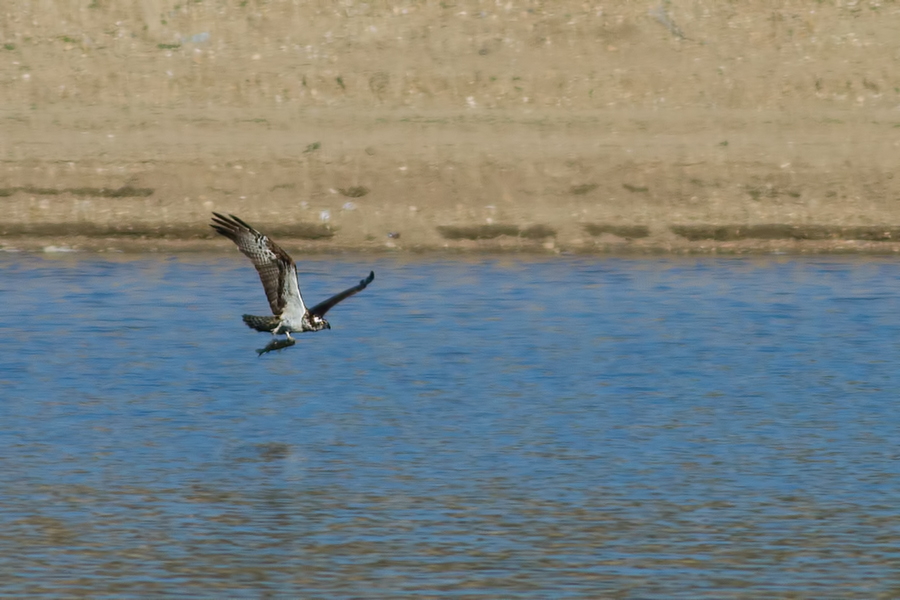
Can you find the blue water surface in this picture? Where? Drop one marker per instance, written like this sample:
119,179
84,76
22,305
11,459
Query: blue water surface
490,428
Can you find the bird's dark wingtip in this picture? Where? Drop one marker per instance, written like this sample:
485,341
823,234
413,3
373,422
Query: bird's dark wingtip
241,222
230,220
368,279
220,221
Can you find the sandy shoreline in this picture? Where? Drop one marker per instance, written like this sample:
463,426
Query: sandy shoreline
541,128
595,182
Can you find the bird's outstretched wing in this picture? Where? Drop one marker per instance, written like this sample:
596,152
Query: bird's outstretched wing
275,267
323,307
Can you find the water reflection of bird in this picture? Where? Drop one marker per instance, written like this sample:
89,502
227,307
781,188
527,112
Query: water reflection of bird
278,274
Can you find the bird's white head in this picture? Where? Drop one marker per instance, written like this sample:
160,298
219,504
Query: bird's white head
317,323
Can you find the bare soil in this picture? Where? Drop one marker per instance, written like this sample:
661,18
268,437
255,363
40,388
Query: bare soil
673,126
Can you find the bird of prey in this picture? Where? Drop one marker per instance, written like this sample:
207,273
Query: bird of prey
278,274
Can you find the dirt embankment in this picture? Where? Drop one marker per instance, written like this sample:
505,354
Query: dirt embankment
682,125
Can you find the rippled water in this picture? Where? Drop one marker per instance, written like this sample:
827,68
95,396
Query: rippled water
568,428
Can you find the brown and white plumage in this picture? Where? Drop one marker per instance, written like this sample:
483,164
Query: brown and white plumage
276,268
278,274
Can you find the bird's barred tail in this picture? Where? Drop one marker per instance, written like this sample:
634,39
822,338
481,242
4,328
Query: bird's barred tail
261,323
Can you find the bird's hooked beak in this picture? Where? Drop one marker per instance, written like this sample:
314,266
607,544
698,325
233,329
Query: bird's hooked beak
327,325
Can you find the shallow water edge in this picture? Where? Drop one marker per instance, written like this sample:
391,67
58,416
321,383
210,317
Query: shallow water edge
607,244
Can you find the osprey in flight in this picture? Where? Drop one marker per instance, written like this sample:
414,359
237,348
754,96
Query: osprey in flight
278,274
